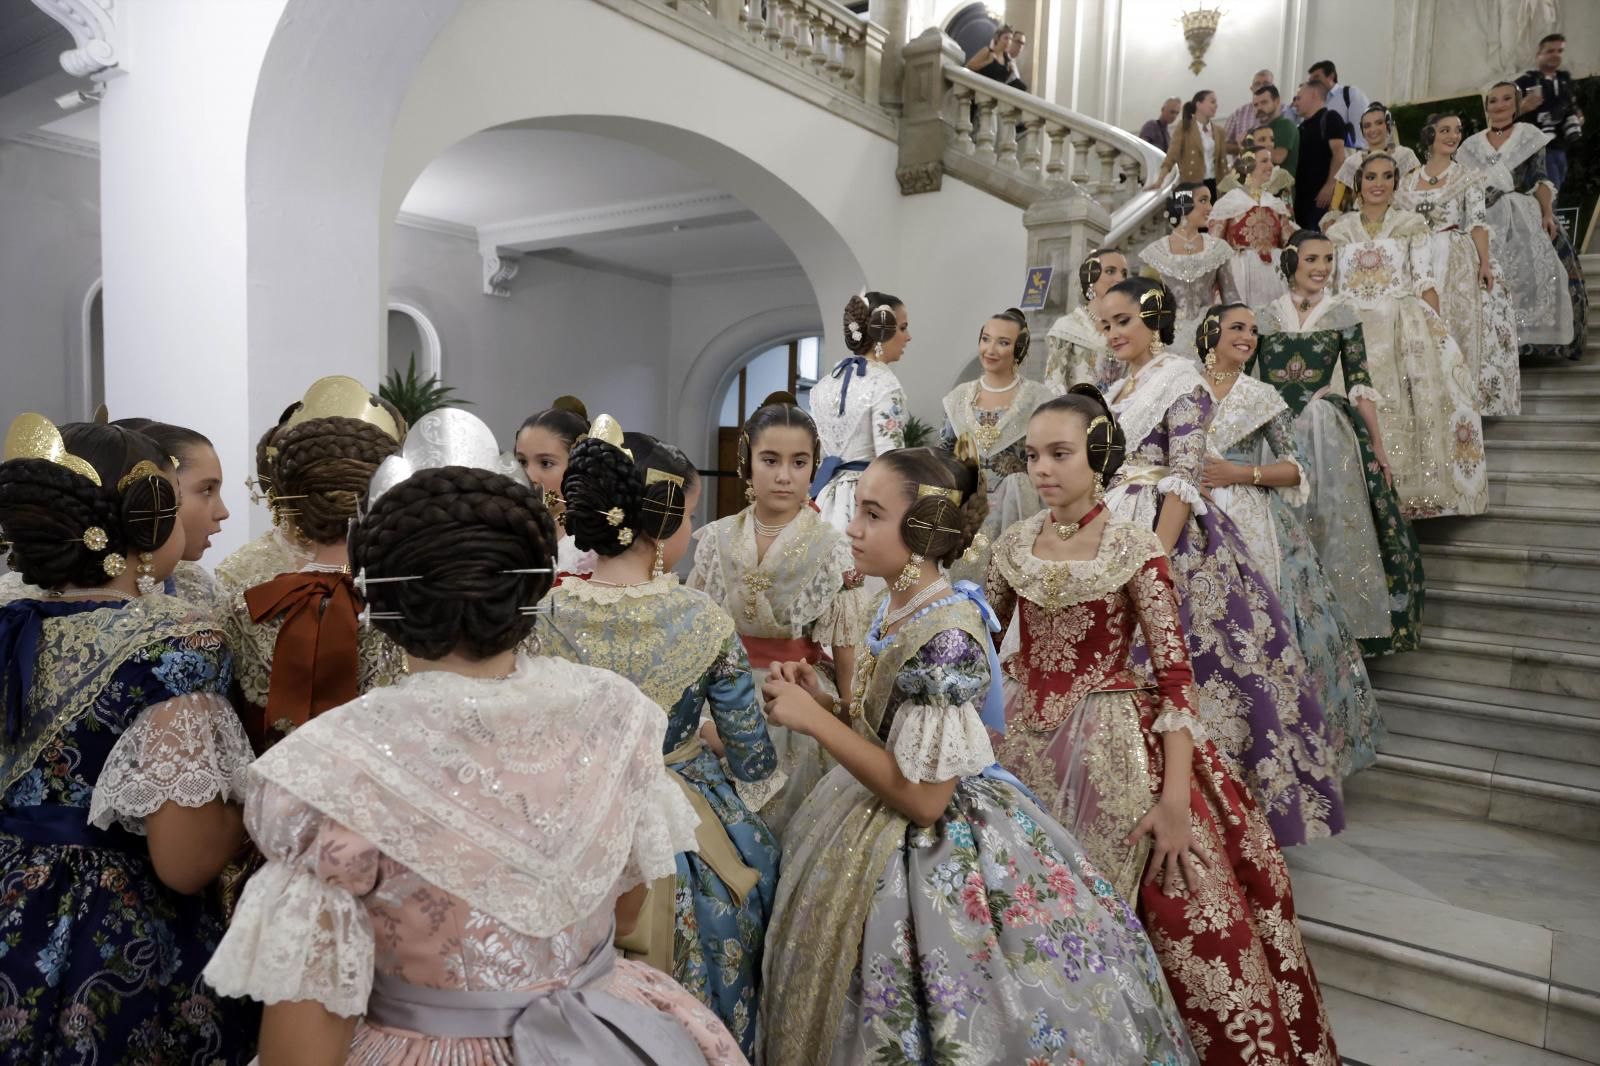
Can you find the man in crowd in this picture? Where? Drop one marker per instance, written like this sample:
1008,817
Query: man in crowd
1285,134
1322,143
1548,103
1346,101
1158,131
1019,41
1242,121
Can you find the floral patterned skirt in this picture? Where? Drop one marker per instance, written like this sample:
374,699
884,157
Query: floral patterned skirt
100,963
988,937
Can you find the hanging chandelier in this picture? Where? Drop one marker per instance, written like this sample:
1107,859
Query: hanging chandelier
1199,26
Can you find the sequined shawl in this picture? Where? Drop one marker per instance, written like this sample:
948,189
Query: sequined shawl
961,408
1160,385
1249,405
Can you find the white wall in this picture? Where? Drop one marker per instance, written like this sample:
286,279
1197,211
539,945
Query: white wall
49,256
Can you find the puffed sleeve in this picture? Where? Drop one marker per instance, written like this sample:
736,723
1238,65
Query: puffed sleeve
1155,603
996,589
188,747
751,757
889,421
707,572
301,931
1279,434
1186,421
1353,361
937,733
1225,285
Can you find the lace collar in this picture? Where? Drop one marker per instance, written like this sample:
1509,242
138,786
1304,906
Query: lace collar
961,408
1236,203
591,591
1249,405
1166,378
1458,179
1212,254
1398,224
1124,548
1525,139
1079,327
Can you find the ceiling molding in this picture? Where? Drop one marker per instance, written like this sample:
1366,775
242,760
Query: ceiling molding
567,257
612,220
57,142
437,225
712,277
94,29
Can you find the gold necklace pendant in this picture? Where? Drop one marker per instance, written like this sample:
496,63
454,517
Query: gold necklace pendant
1065,530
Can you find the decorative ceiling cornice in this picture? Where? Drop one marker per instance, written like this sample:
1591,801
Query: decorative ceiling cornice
57,142
93,25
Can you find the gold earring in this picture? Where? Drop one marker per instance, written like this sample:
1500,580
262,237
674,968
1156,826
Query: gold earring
877,351
1099,487
113,564
146,580
660,566
1211,361
910,574
749,493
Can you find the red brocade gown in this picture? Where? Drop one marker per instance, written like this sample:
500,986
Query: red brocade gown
1084,733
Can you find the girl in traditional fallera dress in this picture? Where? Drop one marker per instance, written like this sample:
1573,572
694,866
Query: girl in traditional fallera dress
929,910
1193,265
1309,339
860,407
788,580
629,501
1427,397
1378,134
1473,298
543,447
992,411
451,856
1541,269
299,650
1256,224
1125,763
1256,475
1255,696
1077,349
121,765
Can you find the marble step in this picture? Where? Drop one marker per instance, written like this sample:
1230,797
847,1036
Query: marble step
1504,660
1517,568
1526,612
1544,456
1575,399
1370,1032
1530,488
1554,375
1486,927
1551,795
1491,725
1579,427
1462,690
1525,527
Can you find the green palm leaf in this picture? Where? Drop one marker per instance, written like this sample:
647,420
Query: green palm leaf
414,397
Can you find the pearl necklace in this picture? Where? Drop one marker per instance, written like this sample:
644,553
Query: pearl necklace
986,387
894,617
764,530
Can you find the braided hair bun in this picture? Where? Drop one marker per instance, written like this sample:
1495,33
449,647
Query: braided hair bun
1106,447
1208,334
45,508
322,471
934,526
869,320
1180,202
458,530
1157,307
608,503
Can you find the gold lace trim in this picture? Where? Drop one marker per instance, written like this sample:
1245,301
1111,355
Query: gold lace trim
1124,548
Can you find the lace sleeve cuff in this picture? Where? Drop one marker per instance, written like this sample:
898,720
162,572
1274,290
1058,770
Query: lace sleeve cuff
1169,721
757,794
940,743
1299,493
296,937
844,623
666,826
1185,490
1363,392
189,750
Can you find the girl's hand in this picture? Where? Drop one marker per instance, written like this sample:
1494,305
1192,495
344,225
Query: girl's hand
1174,855
1486,275
1552,228
791,706
1220,473
799,673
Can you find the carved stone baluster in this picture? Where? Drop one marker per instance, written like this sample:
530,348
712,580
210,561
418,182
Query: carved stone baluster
787,39
985,137
1107,185
805,41
962,99
755,20
1005,128
1055,170
850,56
1080,158
775,16
1032,155
1132,176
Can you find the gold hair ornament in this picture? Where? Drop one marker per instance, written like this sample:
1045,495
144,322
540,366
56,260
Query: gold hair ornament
662,508
338,396
33,436
607,429
967,452
953,495
142,470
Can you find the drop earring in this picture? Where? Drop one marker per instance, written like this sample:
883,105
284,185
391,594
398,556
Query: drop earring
910,574
146,581
660,566
749,493
1099,487
877,351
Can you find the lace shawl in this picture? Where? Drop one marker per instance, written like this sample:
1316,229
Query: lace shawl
1525,140
960,409
1331,312
1240,201
1251,407
1167,378
536,798
1213,253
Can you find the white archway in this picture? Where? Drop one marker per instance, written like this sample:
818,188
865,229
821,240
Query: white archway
92,354
431,358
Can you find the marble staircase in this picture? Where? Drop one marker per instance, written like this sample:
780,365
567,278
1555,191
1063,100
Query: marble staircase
1465,891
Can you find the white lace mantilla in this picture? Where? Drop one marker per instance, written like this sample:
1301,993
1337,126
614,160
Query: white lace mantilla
189,750
1525,139
1213,253
940,743
1165,378
961,409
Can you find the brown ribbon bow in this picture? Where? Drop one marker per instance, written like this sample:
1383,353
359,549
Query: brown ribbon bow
315,660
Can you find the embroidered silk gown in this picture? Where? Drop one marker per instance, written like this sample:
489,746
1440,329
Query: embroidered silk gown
988,937
1256,224
190,582
121,710
860,411
1427,396
1002,457
1252,425
1481,320
800,599
705,926
1370,554
1078,353
1083,731
1256,697
451,845
1198,280
1546,282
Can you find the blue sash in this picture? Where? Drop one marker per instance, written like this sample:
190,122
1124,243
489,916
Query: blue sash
832,466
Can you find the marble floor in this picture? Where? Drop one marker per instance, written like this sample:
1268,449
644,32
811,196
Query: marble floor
1371,1033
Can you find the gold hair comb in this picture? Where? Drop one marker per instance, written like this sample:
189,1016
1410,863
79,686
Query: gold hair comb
953,495
144,468
653,476
33,436
338,396
609,430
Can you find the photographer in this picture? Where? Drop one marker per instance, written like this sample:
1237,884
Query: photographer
1548,103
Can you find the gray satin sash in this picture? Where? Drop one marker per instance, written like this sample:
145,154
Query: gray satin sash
578,1025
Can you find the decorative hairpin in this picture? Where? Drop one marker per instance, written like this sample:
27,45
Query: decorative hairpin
33,436
444,437
953,495
338,396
